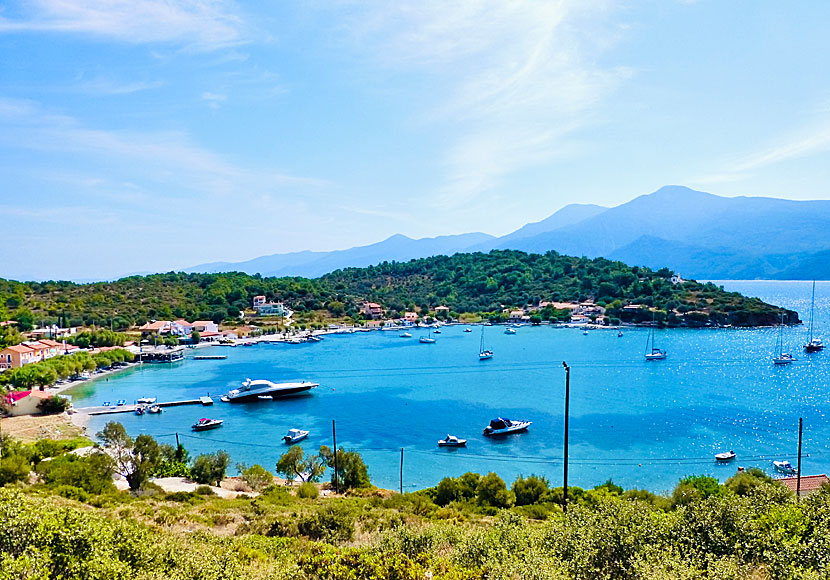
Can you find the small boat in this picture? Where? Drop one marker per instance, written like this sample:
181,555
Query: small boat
619,334
785,467
139,410
468,330
500,426
225,399
204,424
510,331
452,441
437,331
405,335
121,402
653,353
294,436
484,354
584,333
782,358
427,339
106,404
724,457
154,409
813,344
146,400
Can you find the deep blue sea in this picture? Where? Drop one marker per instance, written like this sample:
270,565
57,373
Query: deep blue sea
642,424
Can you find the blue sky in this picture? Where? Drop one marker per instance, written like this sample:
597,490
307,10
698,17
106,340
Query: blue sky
149,135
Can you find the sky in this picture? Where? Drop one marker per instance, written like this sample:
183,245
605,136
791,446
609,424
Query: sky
152,135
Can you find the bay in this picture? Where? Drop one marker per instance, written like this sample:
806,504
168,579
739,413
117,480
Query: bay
641,424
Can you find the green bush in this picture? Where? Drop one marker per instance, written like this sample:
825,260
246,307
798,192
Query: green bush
210,468
308,490
330,523
204,490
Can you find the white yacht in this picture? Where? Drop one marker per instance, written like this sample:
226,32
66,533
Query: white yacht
502,426
294,436
263,387
452,441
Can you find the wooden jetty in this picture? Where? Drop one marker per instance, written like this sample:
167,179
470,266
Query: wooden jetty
210,357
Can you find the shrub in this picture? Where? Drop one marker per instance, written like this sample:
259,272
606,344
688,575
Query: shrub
53,405
529,490
210,467
492,491
13,468
331,523
308,491
256,476
204,490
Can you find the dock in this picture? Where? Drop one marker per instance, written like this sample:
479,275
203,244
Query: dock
210,357
101,410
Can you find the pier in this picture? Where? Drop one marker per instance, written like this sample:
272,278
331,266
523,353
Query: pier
102,410
210,357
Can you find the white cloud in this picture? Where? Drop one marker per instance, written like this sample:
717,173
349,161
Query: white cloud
511,81
214,100
107,87
199,24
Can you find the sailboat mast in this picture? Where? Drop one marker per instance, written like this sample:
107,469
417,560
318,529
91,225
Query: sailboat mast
812,307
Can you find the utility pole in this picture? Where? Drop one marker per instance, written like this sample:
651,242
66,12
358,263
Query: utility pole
798,473
177,441
401,470
567,404
334,437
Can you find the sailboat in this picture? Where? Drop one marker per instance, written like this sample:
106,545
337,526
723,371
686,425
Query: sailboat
427,339
814,344
652,352
781,357
482,353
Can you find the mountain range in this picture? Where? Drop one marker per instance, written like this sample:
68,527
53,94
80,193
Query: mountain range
697,234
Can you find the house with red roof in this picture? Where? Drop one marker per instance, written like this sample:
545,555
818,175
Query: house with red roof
23,402
809,483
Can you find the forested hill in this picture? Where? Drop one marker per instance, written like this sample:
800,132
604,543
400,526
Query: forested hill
463,282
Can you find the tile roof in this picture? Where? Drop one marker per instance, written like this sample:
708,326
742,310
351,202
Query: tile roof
21,348
808,482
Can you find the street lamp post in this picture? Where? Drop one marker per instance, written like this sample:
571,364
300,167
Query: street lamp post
567,403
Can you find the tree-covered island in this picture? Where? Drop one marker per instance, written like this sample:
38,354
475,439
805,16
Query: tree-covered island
469,285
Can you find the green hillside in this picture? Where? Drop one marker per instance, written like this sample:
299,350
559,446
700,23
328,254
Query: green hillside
466,283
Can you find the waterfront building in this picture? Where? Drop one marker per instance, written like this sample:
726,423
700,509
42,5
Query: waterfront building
23,402
372,310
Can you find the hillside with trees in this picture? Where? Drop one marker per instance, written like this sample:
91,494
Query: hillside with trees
466,283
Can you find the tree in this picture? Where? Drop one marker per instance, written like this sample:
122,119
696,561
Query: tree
173,461
351,471
135,460
294,464
447,491
256,476
210,468
492,491
195,337
53,405
529,490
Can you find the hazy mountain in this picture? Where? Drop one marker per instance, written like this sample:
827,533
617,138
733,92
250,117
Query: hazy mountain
312,264
697,234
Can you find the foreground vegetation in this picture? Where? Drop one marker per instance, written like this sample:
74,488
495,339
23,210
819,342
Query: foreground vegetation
466,283
471,527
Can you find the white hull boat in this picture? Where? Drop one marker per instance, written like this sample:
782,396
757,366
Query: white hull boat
501,426
251,390
785,467
294,436
724,457
452,441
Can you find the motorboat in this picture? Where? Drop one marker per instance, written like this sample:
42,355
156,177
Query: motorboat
724,457
294,436
121,402
146,400
106,404
501,426
785,467
619,334
139,410
468,330
205,424
154,409
510,331
437,331
255,389
584,333
405,335
452,441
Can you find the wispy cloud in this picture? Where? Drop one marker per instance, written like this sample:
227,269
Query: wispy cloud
108,87
214,100
513,80
168,158
198,24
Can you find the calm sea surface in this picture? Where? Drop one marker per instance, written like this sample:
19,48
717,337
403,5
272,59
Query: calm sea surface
643,424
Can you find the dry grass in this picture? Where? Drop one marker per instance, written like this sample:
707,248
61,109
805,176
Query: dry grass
28,428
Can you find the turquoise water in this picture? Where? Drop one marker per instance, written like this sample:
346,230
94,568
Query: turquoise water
643,424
